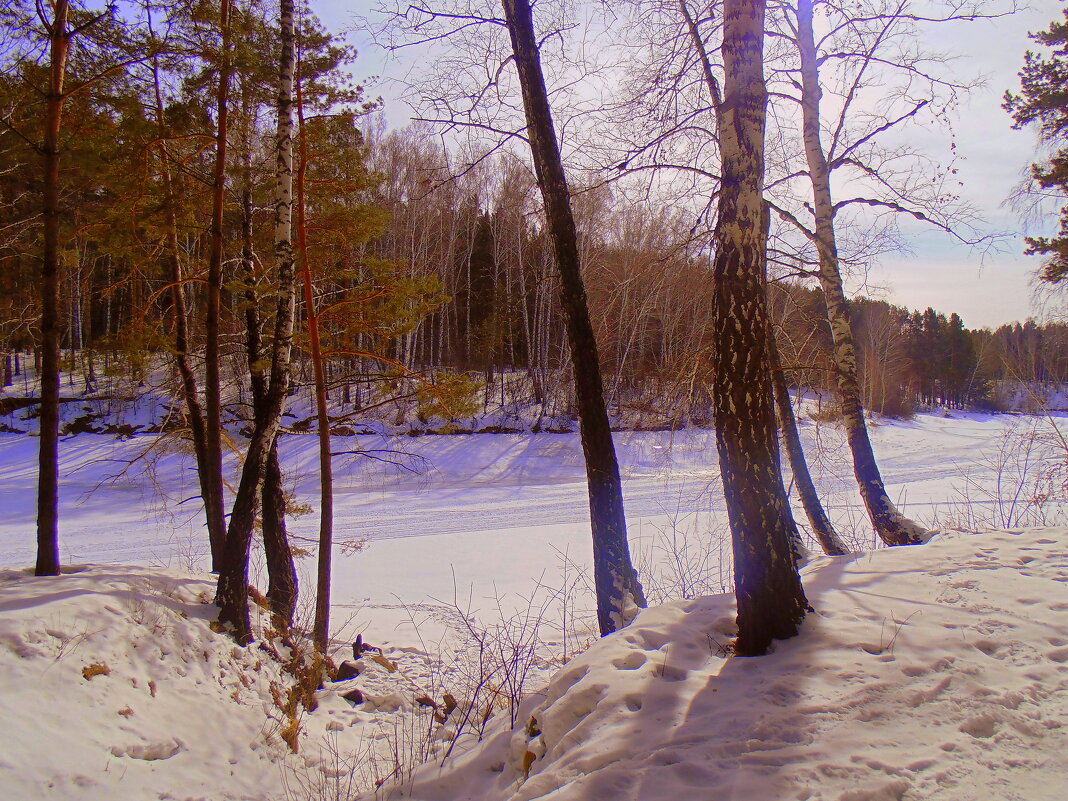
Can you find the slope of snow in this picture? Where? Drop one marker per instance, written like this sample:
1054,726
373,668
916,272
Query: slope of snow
932,672
935,672
114,686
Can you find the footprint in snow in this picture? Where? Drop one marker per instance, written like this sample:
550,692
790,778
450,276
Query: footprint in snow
1060,655
981,727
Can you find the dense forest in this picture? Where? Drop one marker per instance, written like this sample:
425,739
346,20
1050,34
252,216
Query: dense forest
433,276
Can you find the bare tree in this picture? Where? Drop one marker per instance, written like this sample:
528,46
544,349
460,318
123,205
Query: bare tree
616,582
490,108
871,44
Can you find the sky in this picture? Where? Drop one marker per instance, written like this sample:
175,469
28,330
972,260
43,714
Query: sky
986,288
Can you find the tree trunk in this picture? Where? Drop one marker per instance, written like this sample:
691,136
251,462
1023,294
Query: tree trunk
281,570
190,392
212,380
48,477
233,580
771,600
321,628
818,520
891,526
619,593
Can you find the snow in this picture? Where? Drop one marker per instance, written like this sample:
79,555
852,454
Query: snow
937,671
930,672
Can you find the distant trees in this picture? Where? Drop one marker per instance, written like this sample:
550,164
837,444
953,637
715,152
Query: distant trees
1043,84
424,257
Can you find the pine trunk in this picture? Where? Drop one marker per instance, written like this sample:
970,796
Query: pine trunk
771,600
214,499
891,526
190,392
48,477
281,569
619,593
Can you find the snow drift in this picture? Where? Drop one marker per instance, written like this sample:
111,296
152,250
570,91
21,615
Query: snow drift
930,672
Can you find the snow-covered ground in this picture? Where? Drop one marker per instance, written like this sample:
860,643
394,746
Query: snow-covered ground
478,516
934,672
485,538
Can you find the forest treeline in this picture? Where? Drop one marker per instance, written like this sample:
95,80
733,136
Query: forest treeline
435,276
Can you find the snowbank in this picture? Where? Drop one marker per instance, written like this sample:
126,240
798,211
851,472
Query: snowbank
932,672
114,686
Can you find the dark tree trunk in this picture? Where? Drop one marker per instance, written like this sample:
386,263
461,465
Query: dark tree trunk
48,476
771,601
321,627
233,579
190,392
212,355
619,593
281,571
818,520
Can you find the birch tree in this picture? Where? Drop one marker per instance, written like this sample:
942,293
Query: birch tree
771,600
475,95
618,592
233,578
870,44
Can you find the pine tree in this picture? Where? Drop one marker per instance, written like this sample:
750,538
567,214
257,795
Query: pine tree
1044,100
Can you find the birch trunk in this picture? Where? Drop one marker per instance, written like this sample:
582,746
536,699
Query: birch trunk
891,526
233,580
771,600
281,570
619,594
818,521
